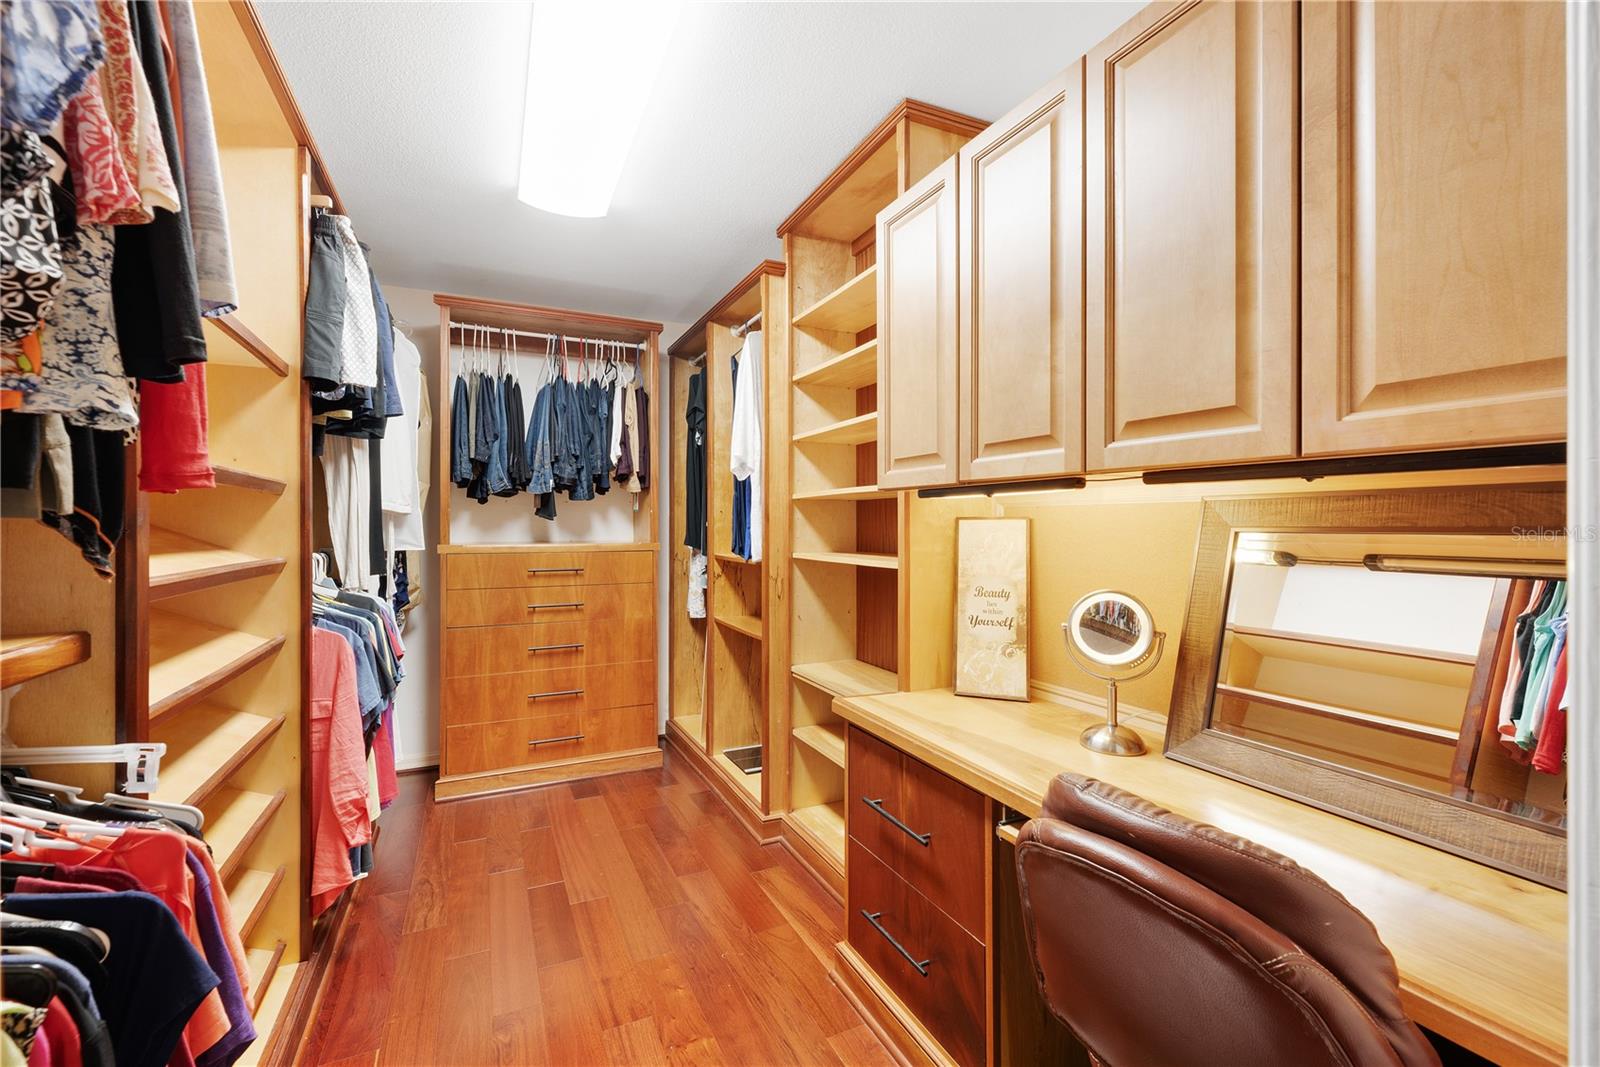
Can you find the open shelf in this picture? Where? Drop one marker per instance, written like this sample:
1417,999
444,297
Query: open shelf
1465,659
240,346
824,823
190,659
847,678
249,896
857,431
729,557
205,744
234,478
751,782
848,492
182,564
268,1014
693,725
850,370
263,962
24,657
850,308
826,740
749,625
235,818
879,560
1386,723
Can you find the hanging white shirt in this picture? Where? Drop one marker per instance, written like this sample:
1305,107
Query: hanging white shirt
402,503
745,453
345,475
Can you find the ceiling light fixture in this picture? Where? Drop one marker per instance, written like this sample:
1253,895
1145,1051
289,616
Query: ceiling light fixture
591,67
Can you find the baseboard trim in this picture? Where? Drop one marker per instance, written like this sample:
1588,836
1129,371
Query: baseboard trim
801,846
887,1016
761,826
463,786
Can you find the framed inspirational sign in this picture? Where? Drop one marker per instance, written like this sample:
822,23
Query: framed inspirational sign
992,571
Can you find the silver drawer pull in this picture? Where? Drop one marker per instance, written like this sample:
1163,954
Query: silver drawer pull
555,648
555,570
556,693
873,917
555,740
567,604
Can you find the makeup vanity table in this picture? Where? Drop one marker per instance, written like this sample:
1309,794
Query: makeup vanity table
1481,953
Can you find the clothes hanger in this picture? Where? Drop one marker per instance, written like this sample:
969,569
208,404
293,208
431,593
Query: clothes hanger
59,822
32,984
187,814
141,761
90,936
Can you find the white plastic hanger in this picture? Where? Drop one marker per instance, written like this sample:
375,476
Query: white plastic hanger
141,761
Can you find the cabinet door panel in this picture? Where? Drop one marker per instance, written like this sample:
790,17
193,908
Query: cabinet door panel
1190,237
1021,256
1433,225
917,343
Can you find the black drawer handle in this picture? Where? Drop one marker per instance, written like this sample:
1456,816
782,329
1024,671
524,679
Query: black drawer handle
556,693
555,570
556,740
872,917
567,604
554,648
877,805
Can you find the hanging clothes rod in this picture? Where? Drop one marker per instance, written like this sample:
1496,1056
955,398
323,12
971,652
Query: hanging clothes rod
474,327
747,325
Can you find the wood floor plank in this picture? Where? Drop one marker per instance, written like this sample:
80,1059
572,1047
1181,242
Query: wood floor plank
581,871
541,864
636,1043
555,937
572,1028
629,920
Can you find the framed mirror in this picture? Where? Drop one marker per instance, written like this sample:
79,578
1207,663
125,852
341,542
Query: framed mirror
1393,656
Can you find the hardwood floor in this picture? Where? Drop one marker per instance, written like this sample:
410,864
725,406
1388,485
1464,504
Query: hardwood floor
622,920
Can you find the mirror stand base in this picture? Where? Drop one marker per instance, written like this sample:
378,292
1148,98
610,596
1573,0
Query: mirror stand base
1112,740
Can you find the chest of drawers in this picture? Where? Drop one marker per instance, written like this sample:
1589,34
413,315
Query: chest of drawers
916,873
547,665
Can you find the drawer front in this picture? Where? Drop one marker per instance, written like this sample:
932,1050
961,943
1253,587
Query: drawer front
873,771
926,826
544,645
489,746
533,740
950,870
948,998
493,697
527,570
568,602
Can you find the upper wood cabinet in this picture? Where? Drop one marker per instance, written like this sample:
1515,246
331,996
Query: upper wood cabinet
917,344
1021,289
1433,225
1190,237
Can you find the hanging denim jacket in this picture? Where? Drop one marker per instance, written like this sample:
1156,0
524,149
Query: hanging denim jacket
538,446
600,427
460,460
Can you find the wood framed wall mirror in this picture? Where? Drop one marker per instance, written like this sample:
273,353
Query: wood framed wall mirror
1391,656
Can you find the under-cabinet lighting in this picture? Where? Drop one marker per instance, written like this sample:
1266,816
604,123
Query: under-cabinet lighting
1043,485
1265,557
591,67
1479,567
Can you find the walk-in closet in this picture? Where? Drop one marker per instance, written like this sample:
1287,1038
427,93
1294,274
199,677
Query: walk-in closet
623,533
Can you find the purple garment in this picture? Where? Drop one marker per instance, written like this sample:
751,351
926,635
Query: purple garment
233,1043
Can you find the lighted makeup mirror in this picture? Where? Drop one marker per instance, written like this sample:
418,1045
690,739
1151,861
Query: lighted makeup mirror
1112,637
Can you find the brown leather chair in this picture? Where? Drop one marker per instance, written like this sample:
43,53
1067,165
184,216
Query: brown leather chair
1162,941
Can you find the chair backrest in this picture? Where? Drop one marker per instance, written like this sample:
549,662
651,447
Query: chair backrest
1161,940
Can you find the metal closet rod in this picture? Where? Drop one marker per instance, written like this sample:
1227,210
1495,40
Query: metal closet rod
477,327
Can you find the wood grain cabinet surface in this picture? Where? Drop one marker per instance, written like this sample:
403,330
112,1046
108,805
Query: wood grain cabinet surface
1433,223
1190,269
1021,289
917,342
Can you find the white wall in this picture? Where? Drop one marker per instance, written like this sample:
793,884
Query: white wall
505,520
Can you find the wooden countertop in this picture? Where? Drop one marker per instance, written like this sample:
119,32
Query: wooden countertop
1482,954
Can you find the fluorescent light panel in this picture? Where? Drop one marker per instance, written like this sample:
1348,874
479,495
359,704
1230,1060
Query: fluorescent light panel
591,67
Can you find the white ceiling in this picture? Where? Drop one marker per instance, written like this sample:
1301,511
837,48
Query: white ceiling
417,109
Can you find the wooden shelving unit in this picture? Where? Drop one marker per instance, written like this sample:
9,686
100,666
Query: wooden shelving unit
236,478
205,746
25,657
252,891
235,819
181,564
859,430
846,545
263,962
720,671
190,659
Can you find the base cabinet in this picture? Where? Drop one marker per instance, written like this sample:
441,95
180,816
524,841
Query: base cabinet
548,660
917,902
